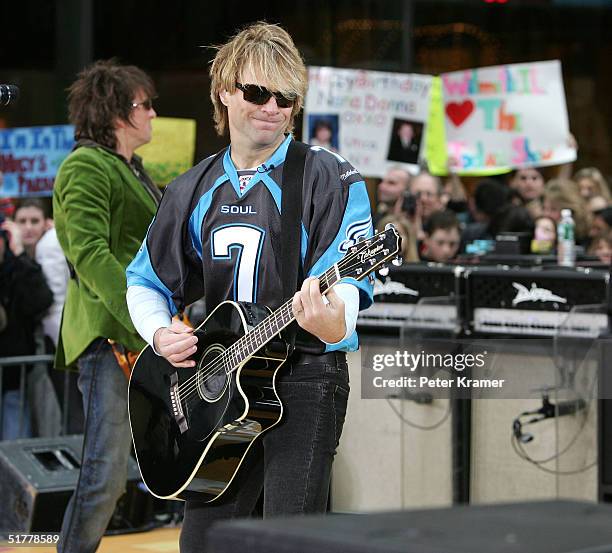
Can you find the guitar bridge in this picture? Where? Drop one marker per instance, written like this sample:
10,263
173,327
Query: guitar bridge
177,405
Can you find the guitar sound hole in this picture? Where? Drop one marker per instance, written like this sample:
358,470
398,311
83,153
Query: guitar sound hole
213,379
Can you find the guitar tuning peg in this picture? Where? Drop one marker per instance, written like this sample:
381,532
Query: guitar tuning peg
397,261
383,271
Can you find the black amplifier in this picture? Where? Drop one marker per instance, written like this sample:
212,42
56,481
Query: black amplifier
417,296
38,476
536,302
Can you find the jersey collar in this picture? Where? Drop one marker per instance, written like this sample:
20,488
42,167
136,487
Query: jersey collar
276,159
280,154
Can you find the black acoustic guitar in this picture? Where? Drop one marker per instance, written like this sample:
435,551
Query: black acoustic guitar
192,427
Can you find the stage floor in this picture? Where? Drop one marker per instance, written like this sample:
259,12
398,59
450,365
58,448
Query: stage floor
162,540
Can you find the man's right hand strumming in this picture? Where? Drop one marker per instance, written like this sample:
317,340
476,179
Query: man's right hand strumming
176,343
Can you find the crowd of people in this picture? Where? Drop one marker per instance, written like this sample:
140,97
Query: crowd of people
33,281
440,221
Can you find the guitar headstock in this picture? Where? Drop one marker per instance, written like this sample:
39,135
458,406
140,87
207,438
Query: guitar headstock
371,253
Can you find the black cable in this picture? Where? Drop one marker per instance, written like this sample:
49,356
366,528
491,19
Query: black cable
518,448
520,451
419,426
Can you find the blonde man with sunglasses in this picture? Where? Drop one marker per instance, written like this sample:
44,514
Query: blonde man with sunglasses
225,215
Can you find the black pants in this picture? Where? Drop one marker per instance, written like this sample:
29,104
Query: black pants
292,461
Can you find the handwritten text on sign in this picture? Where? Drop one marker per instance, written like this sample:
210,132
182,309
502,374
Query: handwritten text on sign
30,158
362,112
506,116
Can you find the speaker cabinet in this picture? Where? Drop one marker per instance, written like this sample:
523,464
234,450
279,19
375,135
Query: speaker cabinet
38,476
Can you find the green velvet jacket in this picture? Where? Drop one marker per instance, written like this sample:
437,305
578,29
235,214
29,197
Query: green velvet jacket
102,212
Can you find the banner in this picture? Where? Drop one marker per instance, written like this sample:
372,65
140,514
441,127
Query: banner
171,151
374,119
30,158
506,116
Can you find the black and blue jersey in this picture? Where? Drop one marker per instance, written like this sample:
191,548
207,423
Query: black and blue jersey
210,239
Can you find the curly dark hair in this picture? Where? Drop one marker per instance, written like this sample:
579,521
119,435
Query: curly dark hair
103,93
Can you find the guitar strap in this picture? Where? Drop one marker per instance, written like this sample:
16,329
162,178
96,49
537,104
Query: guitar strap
292,272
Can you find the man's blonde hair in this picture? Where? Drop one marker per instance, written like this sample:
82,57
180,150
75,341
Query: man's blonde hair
269,53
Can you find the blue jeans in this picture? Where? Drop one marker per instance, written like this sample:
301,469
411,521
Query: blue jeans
106,450
11,417
292,461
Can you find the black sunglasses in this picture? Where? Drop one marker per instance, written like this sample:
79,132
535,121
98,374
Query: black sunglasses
147,104
260,95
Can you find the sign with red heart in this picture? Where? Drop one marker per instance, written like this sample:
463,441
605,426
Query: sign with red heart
459,112
505,116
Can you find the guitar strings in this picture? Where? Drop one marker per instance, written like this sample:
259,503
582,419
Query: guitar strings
193,392
189,388
214,368
283,316
264,333
267,323
267,328
216,365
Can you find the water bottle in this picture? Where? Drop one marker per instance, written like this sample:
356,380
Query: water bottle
566,244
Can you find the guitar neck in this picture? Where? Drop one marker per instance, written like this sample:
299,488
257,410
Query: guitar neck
273,324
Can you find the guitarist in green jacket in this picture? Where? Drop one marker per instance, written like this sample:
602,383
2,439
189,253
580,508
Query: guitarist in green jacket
103,203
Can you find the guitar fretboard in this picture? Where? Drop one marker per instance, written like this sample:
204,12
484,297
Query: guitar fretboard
271,326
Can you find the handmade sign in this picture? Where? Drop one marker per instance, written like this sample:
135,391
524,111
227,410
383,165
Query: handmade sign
374,119
30,158
506,116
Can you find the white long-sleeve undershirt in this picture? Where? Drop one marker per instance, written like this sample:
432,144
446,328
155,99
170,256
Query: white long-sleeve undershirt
150,311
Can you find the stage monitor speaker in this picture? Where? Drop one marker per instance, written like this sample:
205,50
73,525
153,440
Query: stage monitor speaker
38,476
539,527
